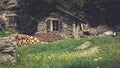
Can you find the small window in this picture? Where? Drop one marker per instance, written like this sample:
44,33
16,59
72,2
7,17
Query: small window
55,25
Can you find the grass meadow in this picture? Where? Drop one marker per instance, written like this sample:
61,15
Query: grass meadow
103,53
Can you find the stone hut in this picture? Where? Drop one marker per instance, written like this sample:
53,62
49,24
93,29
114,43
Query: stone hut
61,23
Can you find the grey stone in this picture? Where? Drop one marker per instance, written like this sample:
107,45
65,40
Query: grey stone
101,35
109,33
11,4
84,45
106,34
5,58
8,49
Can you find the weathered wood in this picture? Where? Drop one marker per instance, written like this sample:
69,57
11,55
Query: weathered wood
22,39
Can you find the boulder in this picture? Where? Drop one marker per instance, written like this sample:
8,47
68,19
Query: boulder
106,34
109,33
101,35
84,45
99,30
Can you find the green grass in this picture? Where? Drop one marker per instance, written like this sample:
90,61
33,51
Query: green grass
3,33
103,53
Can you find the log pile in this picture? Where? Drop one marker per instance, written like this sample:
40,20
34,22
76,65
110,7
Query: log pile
48,37
22,39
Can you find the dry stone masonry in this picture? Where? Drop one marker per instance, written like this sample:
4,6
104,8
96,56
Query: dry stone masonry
8,49
9,46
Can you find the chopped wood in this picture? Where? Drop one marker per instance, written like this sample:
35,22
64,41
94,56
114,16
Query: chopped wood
22,39
48,37
31,37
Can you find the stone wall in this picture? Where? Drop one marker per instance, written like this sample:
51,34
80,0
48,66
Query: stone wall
8,49
67,21
8,18
42,27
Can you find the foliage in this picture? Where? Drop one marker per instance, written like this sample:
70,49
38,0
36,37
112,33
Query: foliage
3,33
72,6
102,12
62,54
94,11
7,31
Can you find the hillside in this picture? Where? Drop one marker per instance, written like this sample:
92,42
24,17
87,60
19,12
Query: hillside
93,12
98,16
103,53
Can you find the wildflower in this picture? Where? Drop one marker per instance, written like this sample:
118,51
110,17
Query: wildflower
95,59
49,57
98,67
37,57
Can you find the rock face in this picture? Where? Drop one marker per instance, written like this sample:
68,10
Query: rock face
9,4
8,49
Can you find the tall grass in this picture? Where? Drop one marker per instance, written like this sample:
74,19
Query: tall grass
103,53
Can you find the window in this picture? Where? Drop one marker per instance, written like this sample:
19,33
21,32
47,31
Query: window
55,24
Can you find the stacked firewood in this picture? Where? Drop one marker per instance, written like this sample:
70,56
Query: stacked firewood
48,37
23,39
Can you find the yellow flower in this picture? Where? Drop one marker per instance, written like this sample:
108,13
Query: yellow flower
37,57
95,59
98,67
49,57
